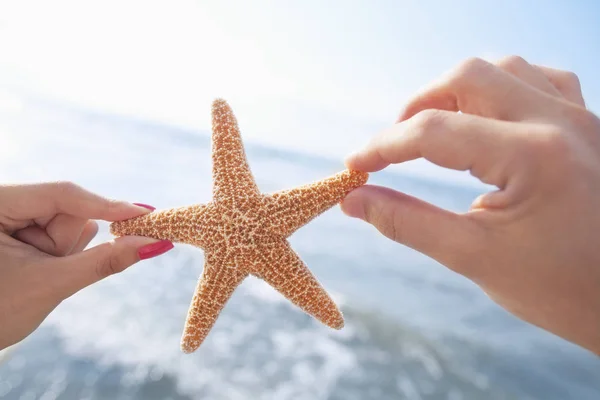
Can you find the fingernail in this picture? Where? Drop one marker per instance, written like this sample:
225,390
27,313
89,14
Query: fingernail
154,249
145,206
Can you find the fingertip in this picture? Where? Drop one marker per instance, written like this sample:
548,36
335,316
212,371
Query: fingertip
350,160
353,205
403,115
89,232
91,227
491,200
367,160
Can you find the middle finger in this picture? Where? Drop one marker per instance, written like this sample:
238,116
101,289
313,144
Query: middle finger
481,88
57,238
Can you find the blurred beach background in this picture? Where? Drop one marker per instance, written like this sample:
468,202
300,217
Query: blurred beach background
115,96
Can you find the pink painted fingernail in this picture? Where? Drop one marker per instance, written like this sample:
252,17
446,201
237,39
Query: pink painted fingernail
145,206
154,249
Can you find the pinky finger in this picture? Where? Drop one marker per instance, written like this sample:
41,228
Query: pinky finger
90,230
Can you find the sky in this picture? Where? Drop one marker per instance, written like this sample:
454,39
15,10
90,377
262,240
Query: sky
319,77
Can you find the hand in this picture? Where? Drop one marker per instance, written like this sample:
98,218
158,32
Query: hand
533,245
43,230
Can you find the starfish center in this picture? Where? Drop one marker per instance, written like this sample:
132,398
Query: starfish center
239,228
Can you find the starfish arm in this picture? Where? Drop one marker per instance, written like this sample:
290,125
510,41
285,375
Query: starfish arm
231,173
288,210
215,287
282,268
182,225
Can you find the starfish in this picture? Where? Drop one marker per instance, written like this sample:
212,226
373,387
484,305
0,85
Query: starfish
244,232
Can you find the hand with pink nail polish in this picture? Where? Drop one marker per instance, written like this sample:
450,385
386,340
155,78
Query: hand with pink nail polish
44,229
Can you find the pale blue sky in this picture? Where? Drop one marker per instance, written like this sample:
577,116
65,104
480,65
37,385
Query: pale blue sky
320,76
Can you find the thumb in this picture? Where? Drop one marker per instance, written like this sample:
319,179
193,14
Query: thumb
443,235
82,269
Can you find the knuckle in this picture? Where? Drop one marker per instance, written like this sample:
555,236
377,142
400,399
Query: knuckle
110,264
91,228
379,153
549,144
396,220
109,205
387,221
471,68
66,188
570,79
429,121
555,144
512,63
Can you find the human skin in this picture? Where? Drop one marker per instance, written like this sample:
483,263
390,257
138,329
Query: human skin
533,244
44,229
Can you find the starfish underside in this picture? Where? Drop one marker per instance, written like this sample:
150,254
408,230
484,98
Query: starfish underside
243,232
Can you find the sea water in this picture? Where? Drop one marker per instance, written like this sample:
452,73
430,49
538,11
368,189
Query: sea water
414,330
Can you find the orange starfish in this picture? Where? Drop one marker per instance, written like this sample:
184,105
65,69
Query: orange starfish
243,232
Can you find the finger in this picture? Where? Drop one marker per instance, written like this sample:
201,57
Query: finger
457,141
480,88
565,82
47,199
520,68
65,230
89,232
61,233
440,234
74,272
37,237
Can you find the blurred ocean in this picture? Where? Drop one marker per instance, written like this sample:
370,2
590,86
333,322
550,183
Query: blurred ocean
414,330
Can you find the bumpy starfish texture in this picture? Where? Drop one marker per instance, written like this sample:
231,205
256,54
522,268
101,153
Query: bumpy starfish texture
243,232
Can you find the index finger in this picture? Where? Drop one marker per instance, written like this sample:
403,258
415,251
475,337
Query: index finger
31,201
448,139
